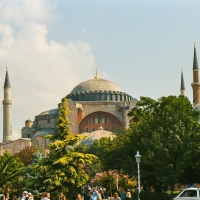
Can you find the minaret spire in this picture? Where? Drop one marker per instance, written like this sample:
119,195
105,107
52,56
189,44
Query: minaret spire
7,110
182,85
7,80
195,84
195,60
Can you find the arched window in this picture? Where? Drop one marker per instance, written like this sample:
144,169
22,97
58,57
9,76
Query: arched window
43,142
99,119
36,143
106,120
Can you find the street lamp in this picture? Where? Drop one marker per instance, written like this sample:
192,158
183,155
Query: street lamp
117,182
138,159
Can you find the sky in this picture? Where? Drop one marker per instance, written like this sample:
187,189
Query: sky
50,46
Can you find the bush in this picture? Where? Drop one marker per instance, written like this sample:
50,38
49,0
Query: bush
154,196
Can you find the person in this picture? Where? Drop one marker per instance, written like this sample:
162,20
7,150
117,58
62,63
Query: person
14,197
30,196
116,196
99,194
62,196
24,195
94,193
128,195
78,197
104,194
122,193
2,197
91,195
46,196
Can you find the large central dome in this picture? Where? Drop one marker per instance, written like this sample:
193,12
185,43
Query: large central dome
96,84
98,89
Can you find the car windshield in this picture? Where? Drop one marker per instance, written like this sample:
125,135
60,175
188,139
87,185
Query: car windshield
189,193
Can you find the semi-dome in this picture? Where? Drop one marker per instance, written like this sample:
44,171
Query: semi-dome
96,84
50,112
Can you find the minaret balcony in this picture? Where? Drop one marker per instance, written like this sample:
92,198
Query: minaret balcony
195,83
7,102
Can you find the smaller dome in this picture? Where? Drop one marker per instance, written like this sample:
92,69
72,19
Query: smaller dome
96,135
28,121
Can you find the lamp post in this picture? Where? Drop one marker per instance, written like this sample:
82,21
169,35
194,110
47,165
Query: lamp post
138,159
117,182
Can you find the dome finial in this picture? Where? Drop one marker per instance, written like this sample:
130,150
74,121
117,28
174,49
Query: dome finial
96,76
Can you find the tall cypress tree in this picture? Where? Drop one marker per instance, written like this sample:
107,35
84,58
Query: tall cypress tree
64,168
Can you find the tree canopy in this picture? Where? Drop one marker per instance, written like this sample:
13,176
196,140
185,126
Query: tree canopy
64,168
11,170
167,133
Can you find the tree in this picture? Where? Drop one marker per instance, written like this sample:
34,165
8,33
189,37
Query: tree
111,179
167,133
115,154
11,171
64,168
26,154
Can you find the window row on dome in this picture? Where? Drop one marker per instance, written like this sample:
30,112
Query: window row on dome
100,97
44,117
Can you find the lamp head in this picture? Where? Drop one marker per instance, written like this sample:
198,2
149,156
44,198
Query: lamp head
138,157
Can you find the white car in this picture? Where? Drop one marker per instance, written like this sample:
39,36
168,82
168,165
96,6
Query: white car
188,194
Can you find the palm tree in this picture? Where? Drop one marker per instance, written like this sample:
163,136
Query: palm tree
11,168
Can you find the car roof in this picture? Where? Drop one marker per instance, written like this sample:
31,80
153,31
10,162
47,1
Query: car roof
191,188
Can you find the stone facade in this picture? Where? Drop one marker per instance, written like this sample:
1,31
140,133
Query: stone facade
14,146
93,103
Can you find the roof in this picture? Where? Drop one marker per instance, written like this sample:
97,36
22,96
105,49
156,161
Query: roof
96,84
43,133
12,141
50,112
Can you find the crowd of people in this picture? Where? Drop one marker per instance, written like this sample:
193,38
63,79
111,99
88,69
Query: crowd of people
87,193
99,193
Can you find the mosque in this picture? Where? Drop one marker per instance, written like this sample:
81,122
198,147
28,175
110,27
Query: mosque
98,107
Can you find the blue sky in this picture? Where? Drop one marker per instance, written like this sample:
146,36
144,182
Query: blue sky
50,46
141,45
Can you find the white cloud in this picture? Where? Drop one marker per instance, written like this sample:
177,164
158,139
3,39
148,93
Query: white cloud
41,71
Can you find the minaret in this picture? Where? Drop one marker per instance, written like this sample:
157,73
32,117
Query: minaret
7,110
195,84
182,85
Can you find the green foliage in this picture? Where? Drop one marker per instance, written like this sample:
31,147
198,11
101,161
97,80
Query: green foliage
64,168
101,148
34,178
167,133
152,196
11,170
115,154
